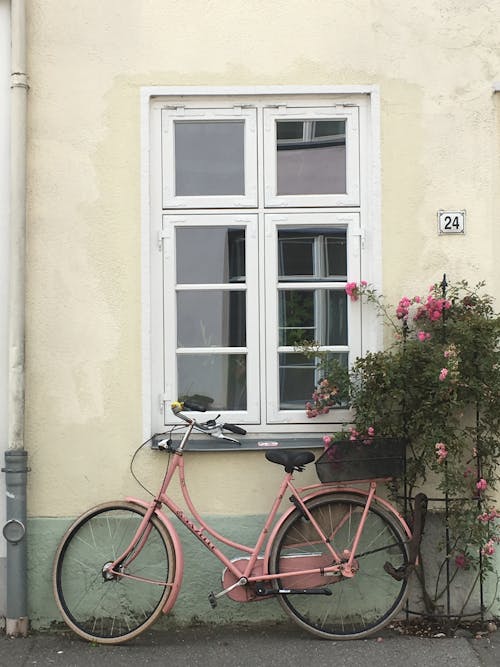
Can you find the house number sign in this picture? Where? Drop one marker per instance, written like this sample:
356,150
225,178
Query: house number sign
451,222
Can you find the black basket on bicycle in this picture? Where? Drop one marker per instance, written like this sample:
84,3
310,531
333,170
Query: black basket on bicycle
368,458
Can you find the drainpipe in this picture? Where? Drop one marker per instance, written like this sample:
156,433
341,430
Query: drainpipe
16,469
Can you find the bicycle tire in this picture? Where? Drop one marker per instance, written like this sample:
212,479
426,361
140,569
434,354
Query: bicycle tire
115,610
357,606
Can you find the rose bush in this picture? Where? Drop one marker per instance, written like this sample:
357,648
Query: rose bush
437,384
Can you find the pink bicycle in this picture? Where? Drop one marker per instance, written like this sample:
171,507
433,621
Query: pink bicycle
337,559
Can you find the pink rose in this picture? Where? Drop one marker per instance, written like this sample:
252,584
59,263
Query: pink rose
488,549
441,451
443,374
351,289
481,485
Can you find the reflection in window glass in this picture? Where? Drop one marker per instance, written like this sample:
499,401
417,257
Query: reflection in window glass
209,158
296,254
329,128
211,255
312,253
336,257
311,157
211,318
296,321
290,129
298,375
215,381
318,315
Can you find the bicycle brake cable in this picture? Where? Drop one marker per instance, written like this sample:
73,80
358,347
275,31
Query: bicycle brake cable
146,442
131,466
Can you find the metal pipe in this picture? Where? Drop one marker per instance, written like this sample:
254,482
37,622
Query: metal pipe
16,457
14,532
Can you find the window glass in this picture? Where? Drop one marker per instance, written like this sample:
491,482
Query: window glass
211,318
308,255
318,315
329,128
298,374
214,380
311,157
336,256
209,158
312,253
291,129
296,254
296,377
211,255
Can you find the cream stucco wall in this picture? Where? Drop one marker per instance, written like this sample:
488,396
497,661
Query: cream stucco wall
435,64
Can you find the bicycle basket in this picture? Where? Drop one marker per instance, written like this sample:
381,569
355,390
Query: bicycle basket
372,458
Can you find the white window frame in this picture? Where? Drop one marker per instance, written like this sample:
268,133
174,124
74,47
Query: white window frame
172,222
249,198
350,115
274,222
157,98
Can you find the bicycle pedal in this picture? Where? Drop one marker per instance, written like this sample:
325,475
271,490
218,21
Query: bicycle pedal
212,600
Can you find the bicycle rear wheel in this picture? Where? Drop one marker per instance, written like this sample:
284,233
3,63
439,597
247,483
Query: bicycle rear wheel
104,608
360,605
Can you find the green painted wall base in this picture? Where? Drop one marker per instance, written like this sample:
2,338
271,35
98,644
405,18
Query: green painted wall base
202,574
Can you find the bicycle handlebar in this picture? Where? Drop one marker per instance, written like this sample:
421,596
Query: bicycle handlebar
234,429
179,406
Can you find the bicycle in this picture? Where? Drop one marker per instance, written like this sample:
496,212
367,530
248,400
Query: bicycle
338,559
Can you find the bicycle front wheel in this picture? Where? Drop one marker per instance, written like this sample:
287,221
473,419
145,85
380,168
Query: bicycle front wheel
105,608
358,605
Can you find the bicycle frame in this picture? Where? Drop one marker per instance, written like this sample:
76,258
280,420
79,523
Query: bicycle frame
343,564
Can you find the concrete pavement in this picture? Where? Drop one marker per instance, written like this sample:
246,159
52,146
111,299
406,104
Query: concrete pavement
271,646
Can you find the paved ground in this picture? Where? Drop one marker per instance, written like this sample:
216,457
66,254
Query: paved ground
274,646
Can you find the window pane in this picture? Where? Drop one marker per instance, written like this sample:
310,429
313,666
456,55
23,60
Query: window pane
296,316
336,317
313,315
211,318
216,381
298,376
210,255
296,254
290,129
312,253
329,128
313,163
336,257
209,158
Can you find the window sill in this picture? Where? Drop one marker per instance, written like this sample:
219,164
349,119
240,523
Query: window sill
250,443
